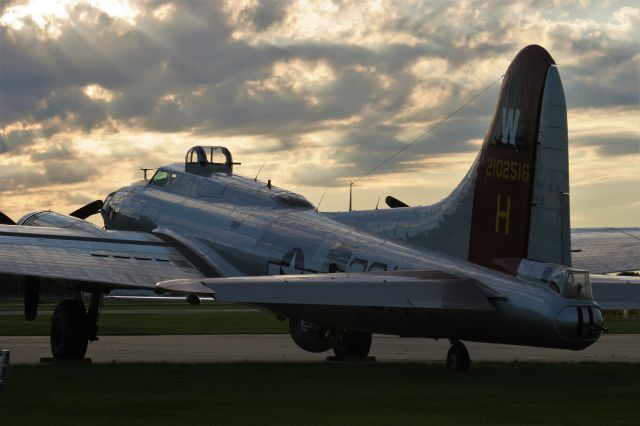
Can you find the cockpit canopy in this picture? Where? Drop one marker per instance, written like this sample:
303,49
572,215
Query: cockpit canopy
204,160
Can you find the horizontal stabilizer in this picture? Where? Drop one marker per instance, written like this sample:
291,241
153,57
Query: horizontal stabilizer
616,292
433,290
600,250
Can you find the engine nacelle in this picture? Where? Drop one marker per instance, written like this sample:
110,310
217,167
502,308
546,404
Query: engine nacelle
309,336
56,220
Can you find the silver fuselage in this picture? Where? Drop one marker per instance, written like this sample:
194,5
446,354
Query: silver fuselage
243,227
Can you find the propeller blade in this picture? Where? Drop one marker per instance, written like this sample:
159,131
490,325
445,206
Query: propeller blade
6,220
88,210
394,202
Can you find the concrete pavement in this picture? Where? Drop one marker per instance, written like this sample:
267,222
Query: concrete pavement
280,348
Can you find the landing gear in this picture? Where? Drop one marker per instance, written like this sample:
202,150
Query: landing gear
309,336
353,345
458,357
31,297
69,337
72,327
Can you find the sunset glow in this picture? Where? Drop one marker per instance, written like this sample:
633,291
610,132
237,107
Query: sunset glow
322,91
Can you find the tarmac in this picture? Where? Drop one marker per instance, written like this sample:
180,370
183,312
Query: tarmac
280,348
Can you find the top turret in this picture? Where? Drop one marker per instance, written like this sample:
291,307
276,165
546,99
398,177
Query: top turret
204,160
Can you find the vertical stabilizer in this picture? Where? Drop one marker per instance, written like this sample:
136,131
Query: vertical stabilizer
513,203
520,202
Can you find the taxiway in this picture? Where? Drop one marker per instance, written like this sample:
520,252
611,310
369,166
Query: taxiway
280,348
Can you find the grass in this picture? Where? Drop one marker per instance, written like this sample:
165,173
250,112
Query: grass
154,317
151,318
320,394
622,326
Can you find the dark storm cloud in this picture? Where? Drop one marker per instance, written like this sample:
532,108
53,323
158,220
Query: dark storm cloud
57,169
18,139
604,72
19,178
53,153
67,172
265,14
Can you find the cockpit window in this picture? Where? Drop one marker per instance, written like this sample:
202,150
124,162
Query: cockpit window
577,285
160,178
163,179
293,200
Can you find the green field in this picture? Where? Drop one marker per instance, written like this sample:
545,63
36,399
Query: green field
619,326
321,394
127,317
151,317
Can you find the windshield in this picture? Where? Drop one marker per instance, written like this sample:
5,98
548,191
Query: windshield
159,178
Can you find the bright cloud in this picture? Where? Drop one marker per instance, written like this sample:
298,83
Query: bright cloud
322,91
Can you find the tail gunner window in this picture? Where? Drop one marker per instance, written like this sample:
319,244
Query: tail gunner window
577,285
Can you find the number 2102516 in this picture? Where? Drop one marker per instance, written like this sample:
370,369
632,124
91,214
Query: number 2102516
510,170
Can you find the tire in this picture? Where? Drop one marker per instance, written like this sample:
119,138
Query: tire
69,336
309,336
351,344
458,358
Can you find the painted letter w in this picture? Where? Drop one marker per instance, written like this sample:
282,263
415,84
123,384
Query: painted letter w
510,117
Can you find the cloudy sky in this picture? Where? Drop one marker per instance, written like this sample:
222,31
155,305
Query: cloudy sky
90,91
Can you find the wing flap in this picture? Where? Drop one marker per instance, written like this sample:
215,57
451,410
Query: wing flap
354,290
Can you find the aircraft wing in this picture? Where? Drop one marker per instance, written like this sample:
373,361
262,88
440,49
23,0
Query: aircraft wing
412,290
600,250
616,292
102,260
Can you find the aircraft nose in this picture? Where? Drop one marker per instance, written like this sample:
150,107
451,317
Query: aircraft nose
580,323
107,208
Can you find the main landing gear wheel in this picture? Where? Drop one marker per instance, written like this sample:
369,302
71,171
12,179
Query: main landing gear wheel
458,357
351,345
69,331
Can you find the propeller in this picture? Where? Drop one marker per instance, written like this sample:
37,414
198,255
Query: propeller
394,202
6,220
90,209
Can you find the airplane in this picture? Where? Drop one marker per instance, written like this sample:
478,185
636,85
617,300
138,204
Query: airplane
491,262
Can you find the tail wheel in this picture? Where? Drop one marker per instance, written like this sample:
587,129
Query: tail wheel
69,331
458,357
351,344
